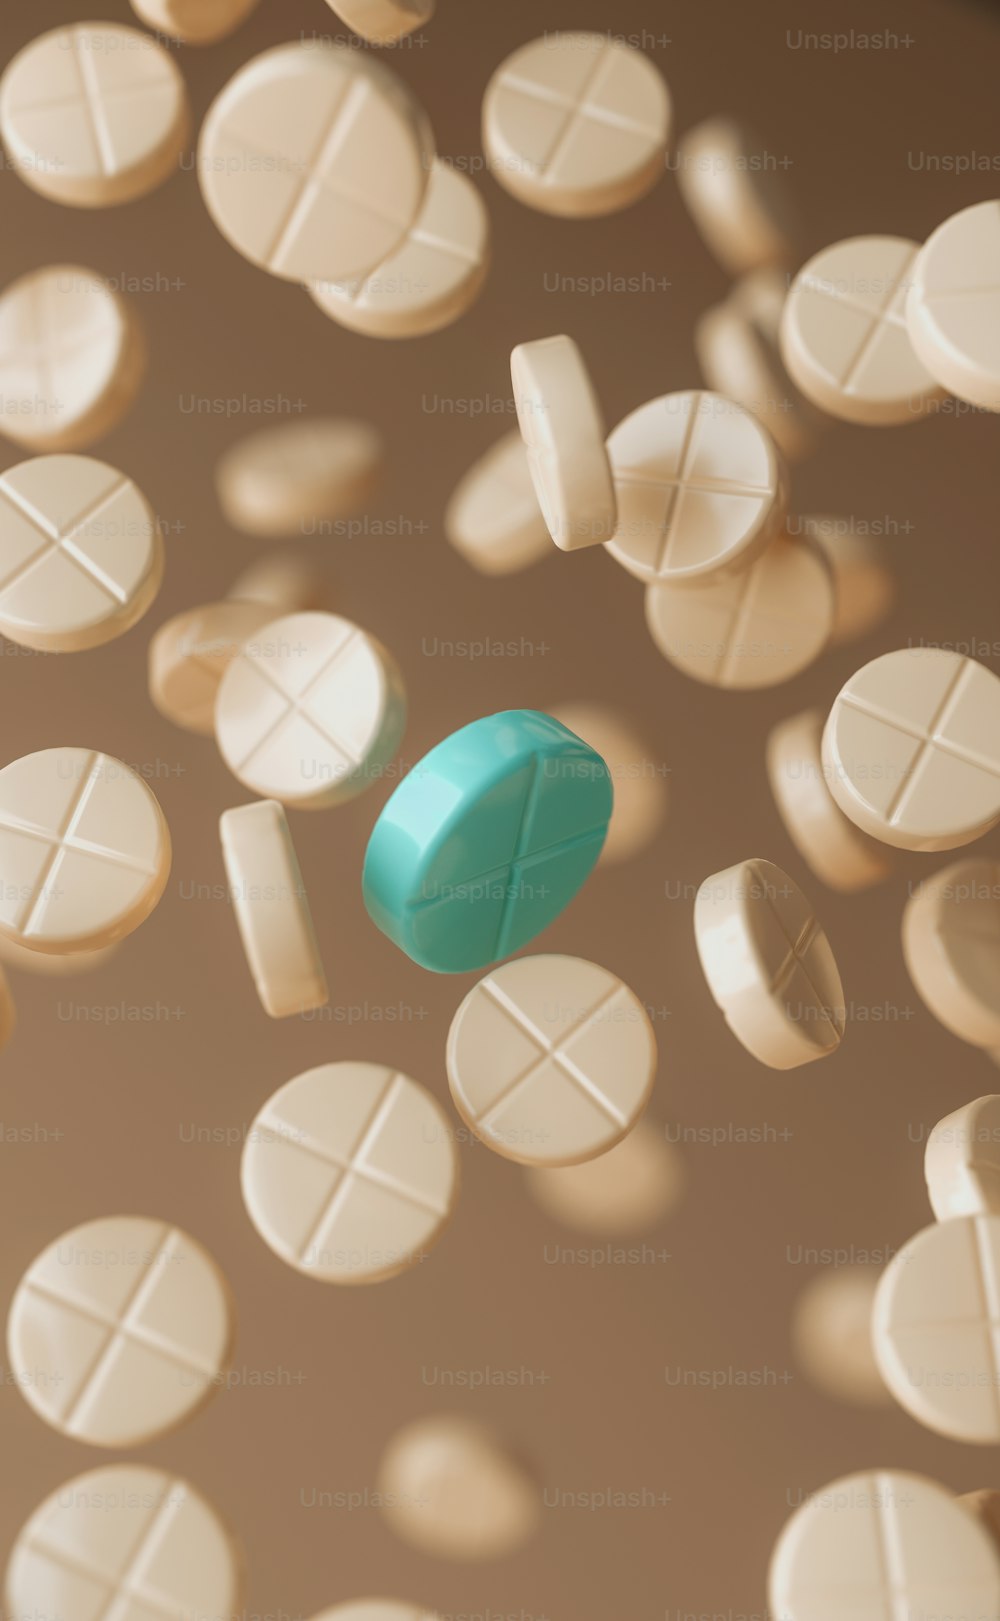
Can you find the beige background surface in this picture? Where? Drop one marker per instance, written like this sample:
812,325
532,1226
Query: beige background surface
109,1108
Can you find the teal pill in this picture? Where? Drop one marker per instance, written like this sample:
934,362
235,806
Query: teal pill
487,840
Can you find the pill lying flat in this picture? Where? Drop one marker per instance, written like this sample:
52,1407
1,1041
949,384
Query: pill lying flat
93,115
882,1545
638,777
828,841
551,1060
951,943
487,840
313,161
190,654
120,1330
934,1325
911,749
81,555
844,337
962,1161
300,477
194,22
72,356
432,278
493,518
769,965
350,1173
953,305
629,1189
382,22
310,711
832,1335
701,487
740,205
451,1487
865,584
747,630
84,849
271,908
563,432
126,1540
576,124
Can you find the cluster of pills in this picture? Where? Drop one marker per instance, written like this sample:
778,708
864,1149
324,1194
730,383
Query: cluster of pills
318,164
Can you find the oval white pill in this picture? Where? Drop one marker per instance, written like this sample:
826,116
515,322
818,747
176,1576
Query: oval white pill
300,477
382,22
125,1540
451,1487
911,749
84,849
272,909
350,1173
739,203
311,711
120,1330
827,840
631,1188
844,336
747,630
883,1545
769,965
93,114
701,487
576,124
934,1328
638,777
953,306
194,22
191,653
832,1335
551,1060
81,556
493,517
432,278
962,1161
563,432
865,584
951,943
314,160
72,356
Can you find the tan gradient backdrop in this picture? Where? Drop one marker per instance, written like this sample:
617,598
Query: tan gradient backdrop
845,1170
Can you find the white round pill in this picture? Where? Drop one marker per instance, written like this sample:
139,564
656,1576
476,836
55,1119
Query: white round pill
314,160
962,1161
126,1540
451,1487
94,114
935,1324
563,431
350,1173
432,278
631,1188
194,22
738,201
72,356
864,583
551,1060
953,305
638,777
120,1330
81,555
576,124
84,849
951,943
191,653
493,517
747,630
828,841
310,712
701,487
911,749
383,22
844,336
769,965
299,477
883,1545
832,1335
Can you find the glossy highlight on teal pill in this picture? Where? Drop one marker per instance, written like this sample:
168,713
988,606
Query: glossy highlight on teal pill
487,840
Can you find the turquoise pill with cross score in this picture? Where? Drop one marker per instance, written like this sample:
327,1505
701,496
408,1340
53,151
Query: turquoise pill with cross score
487,840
